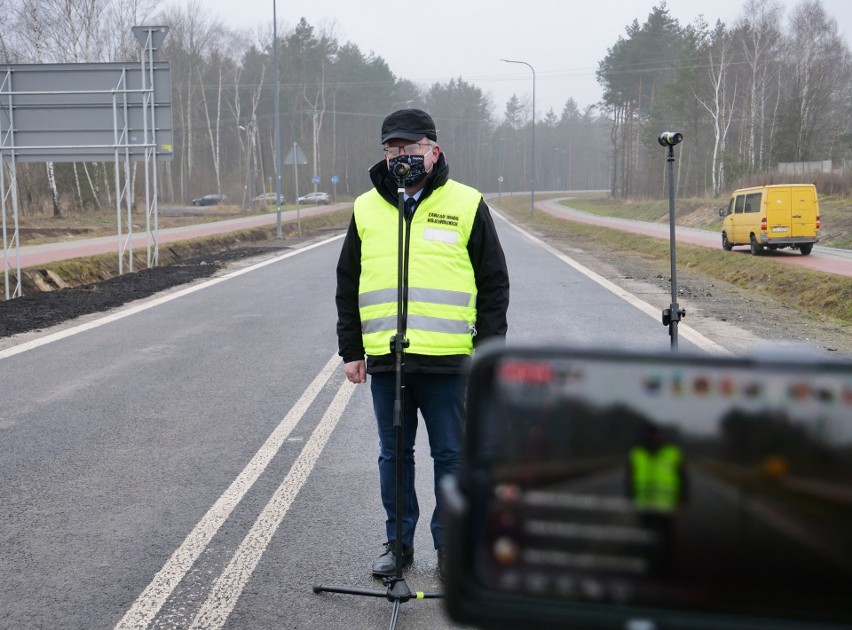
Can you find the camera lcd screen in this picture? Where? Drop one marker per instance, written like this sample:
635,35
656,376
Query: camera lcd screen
691,485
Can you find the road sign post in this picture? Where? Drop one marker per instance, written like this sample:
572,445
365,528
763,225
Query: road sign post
295,157
334,181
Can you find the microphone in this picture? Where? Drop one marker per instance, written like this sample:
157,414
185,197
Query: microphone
401,170
670,138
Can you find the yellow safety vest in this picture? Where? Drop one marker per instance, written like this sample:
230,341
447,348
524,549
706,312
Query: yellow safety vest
656,479
441,284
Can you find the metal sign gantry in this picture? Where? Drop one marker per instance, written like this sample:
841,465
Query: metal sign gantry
87,112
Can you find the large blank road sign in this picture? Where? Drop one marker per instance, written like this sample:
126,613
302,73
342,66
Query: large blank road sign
83,111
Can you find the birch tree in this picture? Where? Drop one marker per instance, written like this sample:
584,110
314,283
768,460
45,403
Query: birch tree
33,22
759,36
118,21
188,46
818,62
717,102
7,54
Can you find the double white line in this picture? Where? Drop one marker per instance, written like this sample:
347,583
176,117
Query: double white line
230,584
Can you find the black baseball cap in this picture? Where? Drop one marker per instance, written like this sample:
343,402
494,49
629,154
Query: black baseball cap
408,124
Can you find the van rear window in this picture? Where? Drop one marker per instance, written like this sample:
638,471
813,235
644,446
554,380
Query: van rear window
752,202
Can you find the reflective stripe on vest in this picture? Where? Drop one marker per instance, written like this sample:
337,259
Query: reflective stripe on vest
442,288
656,480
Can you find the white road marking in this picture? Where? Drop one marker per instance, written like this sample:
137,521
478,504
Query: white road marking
683,330
62,334
230,584
149,603
784,525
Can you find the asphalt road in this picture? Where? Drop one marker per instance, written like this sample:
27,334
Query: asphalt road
199,461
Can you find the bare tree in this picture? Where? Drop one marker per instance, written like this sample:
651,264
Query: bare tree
759,36
74,29
7,53
718,45
213,127
33,38
188,47
219,61
252,127
118,21
818,59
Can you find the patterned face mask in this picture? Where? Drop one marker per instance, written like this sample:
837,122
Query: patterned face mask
416,165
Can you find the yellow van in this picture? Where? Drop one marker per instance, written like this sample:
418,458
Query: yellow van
772,217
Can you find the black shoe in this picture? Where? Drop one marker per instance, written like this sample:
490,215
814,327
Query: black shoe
385,564
442,564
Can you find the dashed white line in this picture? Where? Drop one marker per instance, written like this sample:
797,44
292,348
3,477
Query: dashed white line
229,586
149,603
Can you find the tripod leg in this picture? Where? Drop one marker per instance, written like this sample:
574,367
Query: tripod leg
394,615
348,590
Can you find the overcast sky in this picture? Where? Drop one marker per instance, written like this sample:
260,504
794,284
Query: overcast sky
435,40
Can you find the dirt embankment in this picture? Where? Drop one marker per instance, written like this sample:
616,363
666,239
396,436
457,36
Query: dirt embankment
65,290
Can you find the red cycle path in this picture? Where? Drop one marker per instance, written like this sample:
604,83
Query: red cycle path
34,255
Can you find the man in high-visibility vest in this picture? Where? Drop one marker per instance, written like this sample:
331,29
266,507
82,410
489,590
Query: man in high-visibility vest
657,483
458,294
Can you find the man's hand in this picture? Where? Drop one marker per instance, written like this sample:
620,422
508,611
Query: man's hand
356,371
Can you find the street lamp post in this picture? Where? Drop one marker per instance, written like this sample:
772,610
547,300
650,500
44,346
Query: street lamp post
279,231
532,186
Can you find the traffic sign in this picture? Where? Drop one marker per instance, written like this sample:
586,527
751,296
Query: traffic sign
500,178
335,180
315,179
295,156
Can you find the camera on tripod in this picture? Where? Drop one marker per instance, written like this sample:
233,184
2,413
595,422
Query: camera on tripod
632,490
670,138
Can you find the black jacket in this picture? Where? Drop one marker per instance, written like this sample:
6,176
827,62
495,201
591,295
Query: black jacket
489,268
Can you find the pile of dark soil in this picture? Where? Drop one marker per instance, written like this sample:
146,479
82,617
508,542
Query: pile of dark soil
41,310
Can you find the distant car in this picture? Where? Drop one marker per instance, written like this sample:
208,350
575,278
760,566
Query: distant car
208,200
315,197
266,199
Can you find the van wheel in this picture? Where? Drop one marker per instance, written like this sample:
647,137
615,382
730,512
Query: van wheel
756,248
726,244
806,248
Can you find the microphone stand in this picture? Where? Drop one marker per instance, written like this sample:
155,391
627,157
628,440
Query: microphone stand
396,591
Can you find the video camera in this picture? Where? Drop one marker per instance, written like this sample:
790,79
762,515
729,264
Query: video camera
649,491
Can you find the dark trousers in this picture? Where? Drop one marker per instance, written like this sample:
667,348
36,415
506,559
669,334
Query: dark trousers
440,399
